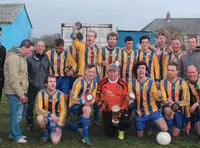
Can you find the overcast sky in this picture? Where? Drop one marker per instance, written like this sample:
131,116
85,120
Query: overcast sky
47,15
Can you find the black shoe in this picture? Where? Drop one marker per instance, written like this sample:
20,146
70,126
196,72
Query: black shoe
44,138
96,123
30,127
198,140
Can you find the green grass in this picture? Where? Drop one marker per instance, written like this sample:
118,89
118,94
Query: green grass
72,140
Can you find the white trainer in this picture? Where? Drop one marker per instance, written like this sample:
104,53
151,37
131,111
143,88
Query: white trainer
21,140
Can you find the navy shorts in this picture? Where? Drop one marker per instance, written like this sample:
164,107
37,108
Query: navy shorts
51,125
197,115
63,84
142,121
76,109
178,119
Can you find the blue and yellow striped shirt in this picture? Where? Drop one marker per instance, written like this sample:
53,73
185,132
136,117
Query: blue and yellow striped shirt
58,62
81,88
51,104
146,94
127,59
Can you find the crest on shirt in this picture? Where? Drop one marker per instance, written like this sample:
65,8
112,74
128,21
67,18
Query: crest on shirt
117,87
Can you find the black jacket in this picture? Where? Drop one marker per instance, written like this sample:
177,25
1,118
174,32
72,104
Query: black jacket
2,61
38,69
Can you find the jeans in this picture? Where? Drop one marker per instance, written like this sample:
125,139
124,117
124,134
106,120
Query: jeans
17,111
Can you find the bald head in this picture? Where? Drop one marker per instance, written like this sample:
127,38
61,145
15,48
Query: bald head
192,73
40,47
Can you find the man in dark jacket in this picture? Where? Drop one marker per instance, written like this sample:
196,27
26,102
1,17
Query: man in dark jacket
38,69
192,57
2,60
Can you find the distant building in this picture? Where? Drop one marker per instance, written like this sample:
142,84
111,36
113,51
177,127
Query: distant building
15,23
136,35
185,26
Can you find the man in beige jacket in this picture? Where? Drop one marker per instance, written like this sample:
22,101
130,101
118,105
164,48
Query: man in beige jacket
16,84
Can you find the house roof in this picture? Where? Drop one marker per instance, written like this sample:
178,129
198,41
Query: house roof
9,11
186,25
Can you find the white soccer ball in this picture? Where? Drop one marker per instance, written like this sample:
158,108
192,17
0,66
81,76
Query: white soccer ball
163,138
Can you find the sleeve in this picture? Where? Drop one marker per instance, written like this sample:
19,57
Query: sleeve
74,93
130,87
156,68
71,62
163,92
94,92
13,62
154,91
124,98
77,44
180,74
39,106
164,64
62,111
100,58
99,91
80,47
186,96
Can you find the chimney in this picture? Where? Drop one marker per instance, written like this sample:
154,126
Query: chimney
168,17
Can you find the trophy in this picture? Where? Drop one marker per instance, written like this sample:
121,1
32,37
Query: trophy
132,95
78,25
89,98
117,63
115,115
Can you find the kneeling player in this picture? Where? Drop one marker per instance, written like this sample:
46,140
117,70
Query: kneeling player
82,97
194,85
51,111
112,90
177,94
144,104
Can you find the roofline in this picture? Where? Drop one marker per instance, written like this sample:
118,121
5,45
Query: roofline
148,25
134,31
28,16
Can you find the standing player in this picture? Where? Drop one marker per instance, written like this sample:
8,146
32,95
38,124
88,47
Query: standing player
174,56
145,105
109,54
128,58
87,51
148,56
60,60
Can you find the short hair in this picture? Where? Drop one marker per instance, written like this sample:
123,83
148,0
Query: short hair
92,31
112,34
26,43
193,66
59,42
144,37
49,76
137,64
193,36
162,34
90,66
176,38
173,64
128,38
0,29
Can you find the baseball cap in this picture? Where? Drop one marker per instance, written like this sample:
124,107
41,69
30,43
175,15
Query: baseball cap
113,67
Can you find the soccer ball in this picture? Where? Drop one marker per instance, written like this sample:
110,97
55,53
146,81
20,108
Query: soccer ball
163,138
